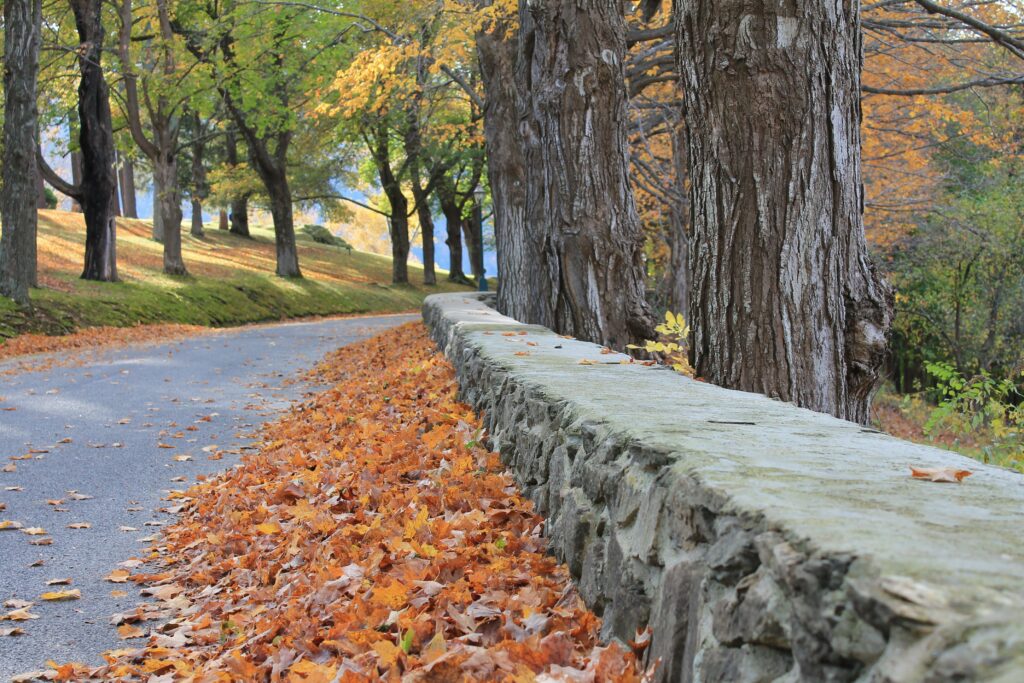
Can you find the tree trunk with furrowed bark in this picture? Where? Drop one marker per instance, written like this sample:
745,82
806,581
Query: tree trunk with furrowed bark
96,192
18,212
784,298
580,214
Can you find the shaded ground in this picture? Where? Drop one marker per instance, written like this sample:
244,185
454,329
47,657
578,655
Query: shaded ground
101,425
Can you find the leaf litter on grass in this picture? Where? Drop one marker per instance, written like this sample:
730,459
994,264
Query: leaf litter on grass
371,538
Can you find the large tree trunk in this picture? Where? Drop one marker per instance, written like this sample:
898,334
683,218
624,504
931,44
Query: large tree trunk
22,27
41,201
579,200
471,230
518,251
127,176
167,201
197,217
240,216
199,186
76,175
240,204
97,145
284,226
398,226
427,233
222,220
453,220
784,299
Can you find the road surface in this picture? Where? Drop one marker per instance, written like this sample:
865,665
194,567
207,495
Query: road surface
101,425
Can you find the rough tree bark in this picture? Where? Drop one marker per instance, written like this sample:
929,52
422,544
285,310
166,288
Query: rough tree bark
580,205
96,192
240,204
471,232
199,184
128,194
18,212
377,138
453,220
519,253
162,148
784,298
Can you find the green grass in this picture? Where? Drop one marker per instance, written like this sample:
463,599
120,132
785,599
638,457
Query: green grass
231,282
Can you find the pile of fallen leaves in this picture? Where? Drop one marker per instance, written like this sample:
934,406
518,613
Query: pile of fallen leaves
93,338
372,538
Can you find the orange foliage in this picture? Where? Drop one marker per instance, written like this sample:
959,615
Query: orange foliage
371,538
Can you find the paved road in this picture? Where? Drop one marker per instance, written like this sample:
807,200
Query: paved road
208,390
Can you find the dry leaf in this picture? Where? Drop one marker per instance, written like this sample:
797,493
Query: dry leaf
945,475
118,576
57,596
80,525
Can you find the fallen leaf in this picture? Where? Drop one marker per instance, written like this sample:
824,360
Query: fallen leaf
118,576
946,475
9,525
19,615
269,528
57,596
80,525
16,631
58,582
34,531
127,631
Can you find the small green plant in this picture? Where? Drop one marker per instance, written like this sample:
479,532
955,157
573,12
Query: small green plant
322,235
980,404
671,346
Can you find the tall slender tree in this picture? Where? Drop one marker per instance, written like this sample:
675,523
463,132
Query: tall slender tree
164,104
18,212
95,192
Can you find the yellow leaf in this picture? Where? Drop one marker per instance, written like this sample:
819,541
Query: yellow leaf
57,596
387,652
269,528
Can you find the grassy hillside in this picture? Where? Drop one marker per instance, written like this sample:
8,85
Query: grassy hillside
231,282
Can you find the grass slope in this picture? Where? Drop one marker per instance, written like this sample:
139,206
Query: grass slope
231,282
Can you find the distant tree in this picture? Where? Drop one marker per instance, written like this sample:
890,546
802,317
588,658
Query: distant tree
95,191
161,106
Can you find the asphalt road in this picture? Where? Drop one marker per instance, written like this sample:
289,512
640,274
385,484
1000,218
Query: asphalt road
100,425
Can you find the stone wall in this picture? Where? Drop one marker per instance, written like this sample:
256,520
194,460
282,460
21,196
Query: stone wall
759,541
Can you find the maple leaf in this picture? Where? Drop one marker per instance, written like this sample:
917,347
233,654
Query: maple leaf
118,576
945,475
